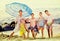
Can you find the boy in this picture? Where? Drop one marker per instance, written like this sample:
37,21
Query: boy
49,23
33,26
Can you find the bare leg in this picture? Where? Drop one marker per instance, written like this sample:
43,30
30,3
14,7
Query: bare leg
37,31
24,36
11,35
33,33
42,31
48,32
51,32
39,28
28,34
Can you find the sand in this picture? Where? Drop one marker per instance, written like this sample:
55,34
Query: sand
56,35
4,37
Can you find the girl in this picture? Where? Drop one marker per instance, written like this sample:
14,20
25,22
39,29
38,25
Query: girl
22,28
41,23
27,21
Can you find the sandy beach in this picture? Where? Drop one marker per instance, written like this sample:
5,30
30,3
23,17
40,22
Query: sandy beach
56,35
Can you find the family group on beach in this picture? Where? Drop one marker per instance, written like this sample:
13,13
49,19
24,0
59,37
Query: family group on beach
34,25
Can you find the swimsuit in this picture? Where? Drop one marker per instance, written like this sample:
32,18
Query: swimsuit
22,29
34,28
41,23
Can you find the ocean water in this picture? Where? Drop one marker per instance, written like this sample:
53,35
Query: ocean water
55,12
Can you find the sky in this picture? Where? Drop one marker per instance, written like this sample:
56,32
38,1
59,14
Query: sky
35,5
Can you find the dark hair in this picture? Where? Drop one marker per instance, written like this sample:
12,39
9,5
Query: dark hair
32,13
40,12
20,10
46,11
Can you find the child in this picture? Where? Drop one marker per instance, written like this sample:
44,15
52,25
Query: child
49,23
27,22
41,23
33,26
22,28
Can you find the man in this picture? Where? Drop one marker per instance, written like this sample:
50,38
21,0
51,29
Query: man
49,22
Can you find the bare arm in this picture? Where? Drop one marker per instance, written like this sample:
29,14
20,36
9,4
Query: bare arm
52,21
25,27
